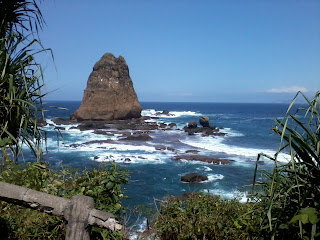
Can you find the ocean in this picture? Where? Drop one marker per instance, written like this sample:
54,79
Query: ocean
153,174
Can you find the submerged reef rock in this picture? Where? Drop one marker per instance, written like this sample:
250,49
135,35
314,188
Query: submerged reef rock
109,94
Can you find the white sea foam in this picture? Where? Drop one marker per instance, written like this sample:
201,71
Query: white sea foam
232,133
241,196
116,147
204,168
173,114
53,125
130,159
214,177
183,113
140,227
148,112
216,144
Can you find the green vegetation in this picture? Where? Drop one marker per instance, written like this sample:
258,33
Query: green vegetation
283,205
203,216
290,195
20,77
102,184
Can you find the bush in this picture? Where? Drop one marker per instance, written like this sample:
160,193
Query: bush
290,194
203,216
102,184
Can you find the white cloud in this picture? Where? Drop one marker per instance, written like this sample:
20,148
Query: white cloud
293,89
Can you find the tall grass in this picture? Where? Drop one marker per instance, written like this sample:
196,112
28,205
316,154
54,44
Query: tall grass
21,77
290,194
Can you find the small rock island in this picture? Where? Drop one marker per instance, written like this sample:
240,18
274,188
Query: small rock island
109,94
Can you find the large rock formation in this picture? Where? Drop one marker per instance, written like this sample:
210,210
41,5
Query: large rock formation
109,94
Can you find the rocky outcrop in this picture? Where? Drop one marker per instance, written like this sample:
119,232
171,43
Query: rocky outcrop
205,131
138,137
193,151
109,94
41,123
201,158
193,178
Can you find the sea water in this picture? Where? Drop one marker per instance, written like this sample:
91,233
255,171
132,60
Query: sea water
153,174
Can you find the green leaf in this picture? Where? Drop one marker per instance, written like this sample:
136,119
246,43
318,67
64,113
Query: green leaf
109,185
313,219
311,213
304,218
105,181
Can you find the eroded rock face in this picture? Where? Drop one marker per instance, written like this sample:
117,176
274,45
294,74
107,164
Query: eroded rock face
109,94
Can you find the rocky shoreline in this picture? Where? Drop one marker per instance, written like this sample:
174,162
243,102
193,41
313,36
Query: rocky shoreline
139,131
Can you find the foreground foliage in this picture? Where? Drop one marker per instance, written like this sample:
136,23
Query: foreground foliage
203,216
103,184
285,203
290,195
20,77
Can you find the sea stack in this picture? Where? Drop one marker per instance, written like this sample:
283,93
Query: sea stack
109,94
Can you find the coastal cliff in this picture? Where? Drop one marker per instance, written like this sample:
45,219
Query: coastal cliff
109,94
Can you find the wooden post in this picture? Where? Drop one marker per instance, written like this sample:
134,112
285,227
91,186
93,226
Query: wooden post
29,198
78,211
77,215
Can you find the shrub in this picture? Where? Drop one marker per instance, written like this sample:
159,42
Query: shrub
102,184
203,216
290,194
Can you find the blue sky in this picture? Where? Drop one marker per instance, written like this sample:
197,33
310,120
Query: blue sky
187,51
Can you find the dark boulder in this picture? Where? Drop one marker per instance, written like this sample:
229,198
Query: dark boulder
194,151
192,124
138,137
166,112
170,149
201,158
60,128
172,125
204,121
193,178
41,123
162,125
205,131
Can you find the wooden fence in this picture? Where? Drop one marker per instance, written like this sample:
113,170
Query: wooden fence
77,211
